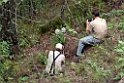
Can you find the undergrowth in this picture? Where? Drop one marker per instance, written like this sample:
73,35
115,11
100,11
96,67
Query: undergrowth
102,63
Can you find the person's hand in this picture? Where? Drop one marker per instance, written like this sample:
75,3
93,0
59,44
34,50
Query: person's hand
62,47
87,31
87,22
87,27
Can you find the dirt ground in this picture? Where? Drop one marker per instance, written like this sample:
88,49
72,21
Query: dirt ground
46,45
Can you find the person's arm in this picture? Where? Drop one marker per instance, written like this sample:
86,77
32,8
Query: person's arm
88,27
62,49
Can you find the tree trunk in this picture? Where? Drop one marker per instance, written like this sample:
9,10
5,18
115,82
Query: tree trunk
62,12
9,29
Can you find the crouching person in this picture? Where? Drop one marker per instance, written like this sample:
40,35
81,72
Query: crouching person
56,60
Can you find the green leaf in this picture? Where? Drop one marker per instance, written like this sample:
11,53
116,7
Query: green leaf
10,78
54,40
5,1
0,27
0,2
21,79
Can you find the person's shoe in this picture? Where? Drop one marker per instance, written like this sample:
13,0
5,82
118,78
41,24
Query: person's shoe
77,56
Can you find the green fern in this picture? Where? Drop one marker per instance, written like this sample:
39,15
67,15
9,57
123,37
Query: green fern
120,47
58,38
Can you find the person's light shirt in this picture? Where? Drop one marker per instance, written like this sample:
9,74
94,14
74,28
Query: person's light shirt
58,62
99,27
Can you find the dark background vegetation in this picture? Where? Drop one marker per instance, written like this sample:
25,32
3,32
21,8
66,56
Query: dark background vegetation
26,27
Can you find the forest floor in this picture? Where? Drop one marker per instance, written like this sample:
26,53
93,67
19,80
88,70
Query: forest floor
90,68
72,75
45,45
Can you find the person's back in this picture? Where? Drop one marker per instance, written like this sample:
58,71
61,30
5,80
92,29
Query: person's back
59,62
100,27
